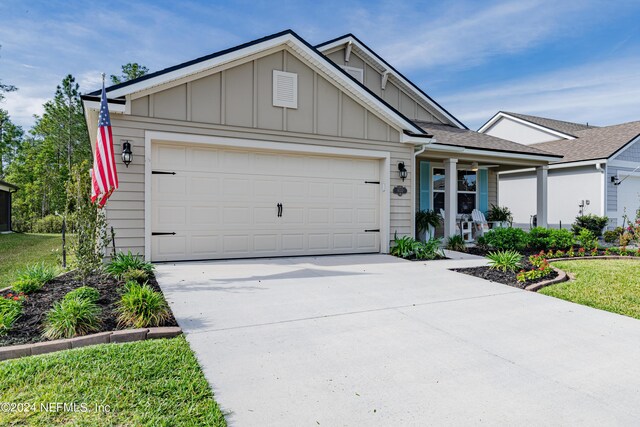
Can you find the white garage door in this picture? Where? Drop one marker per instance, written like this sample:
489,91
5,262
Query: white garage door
628,197
212,203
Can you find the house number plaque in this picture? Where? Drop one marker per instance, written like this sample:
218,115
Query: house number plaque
399,190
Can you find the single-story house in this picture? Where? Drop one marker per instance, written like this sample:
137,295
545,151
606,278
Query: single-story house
599,172
5,205
277,147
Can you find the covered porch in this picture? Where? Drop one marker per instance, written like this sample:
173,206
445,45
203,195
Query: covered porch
458,173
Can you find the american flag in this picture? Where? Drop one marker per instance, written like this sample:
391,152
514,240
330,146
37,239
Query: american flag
104,177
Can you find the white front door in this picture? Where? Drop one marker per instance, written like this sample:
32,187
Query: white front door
212,203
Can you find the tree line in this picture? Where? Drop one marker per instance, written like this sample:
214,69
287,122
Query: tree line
43,160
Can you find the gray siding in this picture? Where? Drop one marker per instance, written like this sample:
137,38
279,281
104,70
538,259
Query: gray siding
242,96
630,154
406,102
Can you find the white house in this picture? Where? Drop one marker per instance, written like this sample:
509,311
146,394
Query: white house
599,172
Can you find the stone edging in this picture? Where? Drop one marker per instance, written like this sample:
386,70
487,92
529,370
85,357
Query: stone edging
125,335
562,276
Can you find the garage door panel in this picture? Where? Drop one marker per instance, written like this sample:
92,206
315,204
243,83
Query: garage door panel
169,157
219,208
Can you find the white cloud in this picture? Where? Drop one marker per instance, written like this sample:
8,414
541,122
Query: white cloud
23,104
605,92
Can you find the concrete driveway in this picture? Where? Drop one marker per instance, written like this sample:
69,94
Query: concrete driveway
374,340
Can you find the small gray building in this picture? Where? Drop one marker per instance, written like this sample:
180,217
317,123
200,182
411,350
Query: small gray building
5,205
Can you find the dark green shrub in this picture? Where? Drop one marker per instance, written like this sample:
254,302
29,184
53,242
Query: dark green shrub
456,243
141,306
502,214
10,310
402,246
587,239
591,222
33,278
506,239
70,318
504,260
121,263
613,236
561,239
84,292
48,224
139,276
541,238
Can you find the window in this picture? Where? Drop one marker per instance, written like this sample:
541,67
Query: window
467,188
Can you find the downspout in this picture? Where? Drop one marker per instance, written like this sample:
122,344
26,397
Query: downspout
603,187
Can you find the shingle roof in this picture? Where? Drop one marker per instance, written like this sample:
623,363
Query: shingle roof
594,143
449,135
557,125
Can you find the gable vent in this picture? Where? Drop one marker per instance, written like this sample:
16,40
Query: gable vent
285,89
357,73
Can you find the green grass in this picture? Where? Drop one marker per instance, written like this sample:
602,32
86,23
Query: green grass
146,383
17,251
611,285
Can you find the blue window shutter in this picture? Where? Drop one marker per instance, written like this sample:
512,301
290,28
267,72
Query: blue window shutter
483,191
425,186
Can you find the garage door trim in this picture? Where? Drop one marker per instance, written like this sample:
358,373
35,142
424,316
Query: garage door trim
262,145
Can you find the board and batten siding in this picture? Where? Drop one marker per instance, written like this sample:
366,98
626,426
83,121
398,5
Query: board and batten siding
400,99
237,103
630,154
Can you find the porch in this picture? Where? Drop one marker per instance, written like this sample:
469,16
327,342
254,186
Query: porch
458,173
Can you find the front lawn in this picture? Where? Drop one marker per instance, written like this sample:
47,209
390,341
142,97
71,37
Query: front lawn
18,250
154,383
612,285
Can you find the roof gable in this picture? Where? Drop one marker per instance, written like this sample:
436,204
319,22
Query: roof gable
235,55
559,128
353,42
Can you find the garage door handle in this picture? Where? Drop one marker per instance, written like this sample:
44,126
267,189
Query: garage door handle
279,206
157,233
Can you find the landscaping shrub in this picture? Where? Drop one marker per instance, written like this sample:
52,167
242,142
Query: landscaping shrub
121,263
139,276
591,222
403,246
48,224
84,292
561,239
504,260
541,269
10,310
506,239
141,306
456,243
587,239
33,278
428,250
541,238
72,317
613,236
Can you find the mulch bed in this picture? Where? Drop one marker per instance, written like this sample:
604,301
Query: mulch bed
28,328
504,277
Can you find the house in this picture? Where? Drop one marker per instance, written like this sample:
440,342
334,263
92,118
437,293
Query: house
5,205
598,174
277,147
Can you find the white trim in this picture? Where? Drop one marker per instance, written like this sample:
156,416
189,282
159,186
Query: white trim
292,42
545,129
492,153
385,175
113,107
562,166
397,76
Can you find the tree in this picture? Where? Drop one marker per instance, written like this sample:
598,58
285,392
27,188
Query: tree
6,88
10,139
130,71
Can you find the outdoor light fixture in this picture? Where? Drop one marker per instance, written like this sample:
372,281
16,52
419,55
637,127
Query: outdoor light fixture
127,155
474,166
615,180
402,170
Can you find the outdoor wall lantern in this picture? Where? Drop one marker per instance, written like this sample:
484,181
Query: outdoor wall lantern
127,155
402,171
474,166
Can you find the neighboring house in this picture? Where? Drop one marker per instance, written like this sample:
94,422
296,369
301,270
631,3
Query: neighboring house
598,174
276,147
5,205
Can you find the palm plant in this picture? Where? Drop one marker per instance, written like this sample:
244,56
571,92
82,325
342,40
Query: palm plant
427,220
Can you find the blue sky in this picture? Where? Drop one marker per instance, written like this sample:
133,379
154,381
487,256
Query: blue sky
576,60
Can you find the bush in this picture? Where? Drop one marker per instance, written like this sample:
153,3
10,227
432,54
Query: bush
121,263
591,222
561,239
33,278
10,310
428,250
48,224
403,246
456,243
84,292
502,214
503,239
587,239
139,276
541,238
72,317
504,260
141,306
613,236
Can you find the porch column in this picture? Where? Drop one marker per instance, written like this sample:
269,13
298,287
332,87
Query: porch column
541,195
450,196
